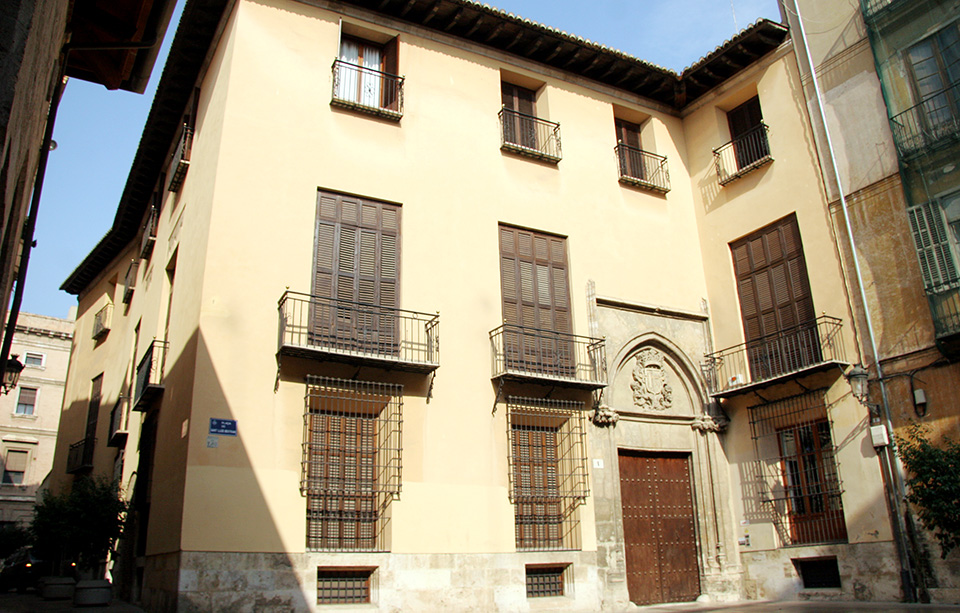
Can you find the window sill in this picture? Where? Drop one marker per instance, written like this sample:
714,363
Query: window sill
746,169
530,152
31,416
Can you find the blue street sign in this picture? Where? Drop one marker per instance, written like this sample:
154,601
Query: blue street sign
223,427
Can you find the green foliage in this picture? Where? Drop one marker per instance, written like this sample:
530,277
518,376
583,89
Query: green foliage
934,483
12,538
81,524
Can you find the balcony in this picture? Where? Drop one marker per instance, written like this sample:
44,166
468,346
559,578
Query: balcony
944,302
149,383
101,321
643,169
875,9
529,136
118,424
320,328
180,162
744,154
776,358
80,455
535,355
130,280
366,90
149,234
933,123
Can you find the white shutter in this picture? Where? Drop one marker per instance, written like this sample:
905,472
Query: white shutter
933,245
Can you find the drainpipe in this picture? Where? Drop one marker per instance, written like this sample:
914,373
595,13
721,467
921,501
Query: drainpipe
894,479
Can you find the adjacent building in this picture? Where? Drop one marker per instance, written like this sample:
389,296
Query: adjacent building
474,314
30,413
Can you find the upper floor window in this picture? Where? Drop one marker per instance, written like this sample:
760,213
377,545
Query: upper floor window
365,78
33,359
15,466
936,235
521,130
748,148
26,401
639,167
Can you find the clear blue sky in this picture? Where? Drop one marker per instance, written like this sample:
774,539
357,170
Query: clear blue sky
98,131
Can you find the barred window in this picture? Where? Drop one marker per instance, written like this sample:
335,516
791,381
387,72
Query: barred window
344,585
351,467
796,469
545,580
548,471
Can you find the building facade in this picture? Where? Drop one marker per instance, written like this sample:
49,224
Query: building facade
30,413
886,76
639,395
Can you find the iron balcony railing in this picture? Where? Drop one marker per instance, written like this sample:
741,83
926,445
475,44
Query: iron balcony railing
533,353
872,9
747,152
149,234
340,330
367,90
945,307
775,356
101,321
149,383
180,162
118,424
80,455
642,168
529,135
928,124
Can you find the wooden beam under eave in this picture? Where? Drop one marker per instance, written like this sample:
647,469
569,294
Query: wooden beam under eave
453,21
568,62
723,59
407,8
475,26
556,51
433,13
763,38
516,39
710,74
593,63
626,76
750,54
383,4
535,46
495,32
612,68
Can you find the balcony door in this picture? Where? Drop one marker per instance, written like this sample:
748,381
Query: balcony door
631,159
536,305
935,67
519,123
356,275
779,322
749,140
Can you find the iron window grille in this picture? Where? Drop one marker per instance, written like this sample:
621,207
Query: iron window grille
180,161
547,471
642,168
344,585
544,580
351,462
529,135
367,90
796,471
746,153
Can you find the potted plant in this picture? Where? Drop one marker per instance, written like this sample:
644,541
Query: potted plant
76,530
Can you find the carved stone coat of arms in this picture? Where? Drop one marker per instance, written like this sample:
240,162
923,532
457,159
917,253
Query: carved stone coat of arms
650,388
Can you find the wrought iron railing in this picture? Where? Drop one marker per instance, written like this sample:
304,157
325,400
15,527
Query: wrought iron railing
118,424
776,355
874,8
150,374
529,135
80,455
747,152
149,233
101,321
642,168
180,162
945,307
925,125
532,353
367,90
351,331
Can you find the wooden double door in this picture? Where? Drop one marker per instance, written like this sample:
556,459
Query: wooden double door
659,526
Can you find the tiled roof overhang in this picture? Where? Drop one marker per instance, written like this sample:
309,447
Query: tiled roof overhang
461,18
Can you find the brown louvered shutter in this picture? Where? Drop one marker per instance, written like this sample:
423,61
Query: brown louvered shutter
357,262
775,301
93,410
522,129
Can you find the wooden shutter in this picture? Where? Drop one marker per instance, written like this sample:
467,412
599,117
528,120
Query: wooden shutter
775,298
390,87
519,130
93,411
357,262
533,275
933,244
745,117
631,161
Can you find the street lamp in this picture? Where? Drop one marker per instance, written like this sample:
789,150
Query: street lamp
858,382
11,375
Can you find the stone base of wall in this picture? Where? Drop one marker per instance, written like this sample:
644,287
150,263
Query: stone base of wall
868,572
266,582
160,578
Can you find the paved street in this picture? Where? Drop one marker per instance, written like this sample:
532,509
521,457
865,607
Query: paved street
11,602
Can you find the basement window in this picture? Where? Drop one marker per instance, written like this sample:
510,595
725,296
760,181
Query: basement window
818,573
545,580
344,585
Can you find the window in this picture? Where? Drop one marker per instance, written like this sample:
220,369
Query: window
545,580
93,414
521,130
748,148
639,167
936,235
779,322
796,469
365,77
357,271
14,466
26,401
548,471
343,585
935,70
33,359
351,462
818,573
